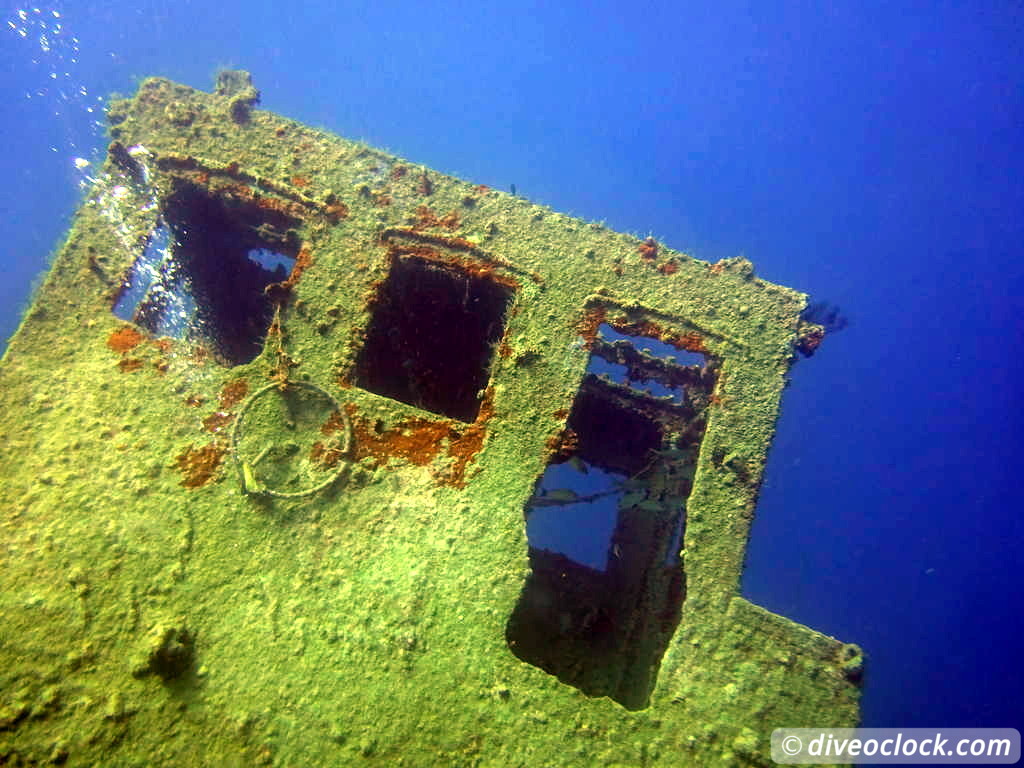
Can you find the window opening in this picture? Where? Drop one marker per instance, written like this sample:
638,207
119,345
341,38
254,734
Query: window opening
277,264
144,272
203,273
573,511
431,338
607,519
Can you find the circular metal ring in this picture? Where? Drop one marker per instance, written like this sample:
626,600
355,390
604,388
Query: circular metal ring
247,469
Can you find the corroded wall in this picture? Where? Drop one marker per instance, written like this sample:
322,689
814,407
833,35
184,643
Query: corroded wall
286,528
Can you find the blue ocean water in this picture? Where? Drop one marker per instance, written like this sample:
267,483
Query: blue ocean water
871,155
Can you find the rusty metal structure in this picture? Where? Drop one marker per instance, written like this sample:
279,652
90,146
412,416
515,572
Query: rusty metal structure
270,429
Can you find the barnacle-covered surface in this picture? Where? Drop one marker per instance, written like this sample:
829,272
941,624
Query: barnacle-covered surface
162,606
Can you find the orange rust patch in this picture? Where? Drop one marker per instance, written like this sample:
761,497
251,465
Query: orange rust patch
125,338
590,322
200,465
398,172
648,249
217,420
466,266
233,393
481,189
302,262
809,342
419,441
427,218
243,192
194,401
563,446
129,364
690,341
304,259
334,423
243,187
669,267
325,457
453,243
593,317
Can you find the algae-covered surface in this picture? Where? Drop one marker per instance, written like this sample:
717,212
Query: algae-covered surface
293,533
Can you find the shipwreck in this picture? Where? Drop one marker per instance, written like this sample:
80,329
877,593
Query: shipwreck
272,426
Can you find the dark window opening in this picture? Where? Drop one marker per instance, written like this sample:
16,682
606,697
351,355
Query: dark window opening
431,339
607,520
204,271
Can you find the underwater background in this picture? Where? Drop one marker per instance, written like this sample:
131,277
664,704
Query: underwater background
870,154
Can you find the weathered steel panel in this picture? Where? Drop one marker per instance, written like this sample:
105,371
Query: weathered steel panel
269,430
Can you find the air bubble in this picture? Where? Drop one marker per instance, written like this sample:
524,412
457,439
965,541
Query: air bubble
50,58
